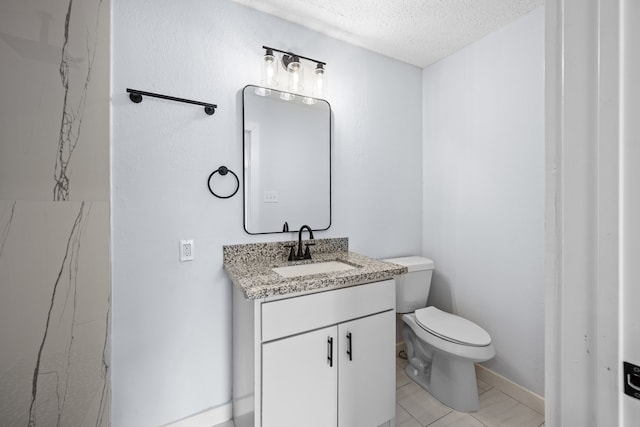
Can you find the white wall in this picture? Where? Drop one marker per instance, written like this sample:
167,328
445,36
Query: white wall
171,321
484,191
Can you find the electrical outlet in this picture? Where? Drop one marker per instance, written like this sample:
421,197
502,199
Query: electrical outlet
271,197
186,250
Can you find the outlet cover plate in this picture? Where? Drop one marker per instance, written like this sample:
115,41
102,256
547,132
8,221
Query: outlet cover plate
186,250
271,196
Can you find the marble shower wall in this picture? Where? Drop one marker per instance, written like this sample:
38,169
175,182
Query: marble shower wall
54,213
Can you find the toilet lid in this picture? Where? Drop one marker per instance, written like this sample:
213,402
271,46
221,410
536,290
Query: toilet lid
452,328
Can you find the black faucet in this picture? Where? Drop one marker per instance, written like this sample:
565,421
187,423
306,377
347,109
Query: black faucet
307,254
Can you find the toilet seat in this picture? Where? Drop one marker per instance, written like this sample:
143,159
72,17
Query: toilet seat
452,328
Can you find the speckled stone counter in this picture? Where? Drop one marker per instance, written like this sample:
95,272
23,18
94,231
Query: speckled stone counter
250,268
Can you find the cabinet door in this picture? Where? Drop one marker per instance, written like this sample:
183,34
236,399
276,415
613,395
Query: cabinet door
300,379
366,393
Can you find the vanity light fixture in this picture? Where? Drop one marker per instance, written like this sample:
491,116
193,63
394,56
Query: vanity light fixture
319,82
319,85
269,70
294,68
296,73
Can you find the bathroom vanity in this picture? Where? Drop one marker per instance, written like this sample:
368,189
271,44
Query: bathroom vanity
312,349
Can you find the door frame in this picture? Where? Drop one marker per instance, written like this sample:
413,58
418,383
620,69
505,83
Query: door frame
583,211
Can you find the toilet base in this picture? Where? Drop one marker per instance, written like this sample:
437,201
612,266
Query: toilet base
452,382
450,378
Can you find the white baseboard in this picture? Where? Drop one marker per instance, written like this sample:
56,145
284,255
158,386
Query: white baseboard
508,387
207,418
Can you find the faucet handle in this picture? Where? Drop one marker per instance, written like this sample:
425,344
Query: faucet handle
291,252
307,253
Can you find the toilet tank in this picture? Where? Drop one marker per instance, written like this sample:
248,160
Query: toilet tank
412,288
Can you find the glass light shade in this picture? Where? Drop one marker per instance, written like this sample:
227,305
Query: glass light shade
263,91
295,70
319,81
286,96
269,70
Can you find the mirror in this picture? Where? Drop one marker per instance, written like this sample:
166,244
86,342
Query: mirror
287,161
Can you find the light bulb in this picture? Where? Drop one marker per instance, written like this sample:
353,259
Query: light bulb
295,75
319,81
269,69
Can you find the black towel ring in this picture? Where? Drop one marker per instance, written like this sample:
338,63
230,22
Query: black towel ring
223,170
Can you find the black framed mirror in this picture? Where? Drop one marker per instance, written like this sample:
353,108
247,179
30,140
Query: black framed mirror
287,161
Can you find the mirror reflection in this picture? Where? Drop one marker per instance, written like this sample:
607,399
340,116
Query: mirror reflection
287,161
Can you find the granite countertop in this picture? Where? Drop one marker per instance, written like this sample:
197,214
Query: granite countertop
250,268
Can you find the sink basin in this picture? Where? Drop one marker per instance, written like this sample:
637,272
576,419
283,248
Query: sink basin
314,268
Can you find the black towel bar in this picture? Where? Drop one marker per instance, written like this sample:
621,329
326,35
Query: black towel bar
136,96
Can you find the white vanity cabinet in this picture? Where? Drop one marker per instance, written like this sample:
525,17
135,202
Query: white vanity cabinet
321,359
367,380
298,383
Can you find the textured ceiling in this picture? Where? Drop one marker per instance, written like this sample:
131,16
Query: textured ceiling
419,32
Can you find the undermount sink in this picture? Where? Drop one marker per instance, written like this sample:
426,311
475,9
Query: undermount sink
314,268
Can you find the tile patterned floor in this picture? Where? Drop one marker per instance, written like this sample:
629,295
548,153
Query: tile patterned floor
417,408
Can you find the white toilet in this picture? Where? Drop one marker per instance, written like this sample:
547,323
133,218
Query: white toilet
441,347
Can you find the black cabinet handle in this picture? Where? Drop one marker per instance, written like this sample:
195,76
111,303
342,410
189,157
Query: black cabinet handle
330,351
349,346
